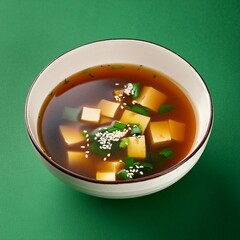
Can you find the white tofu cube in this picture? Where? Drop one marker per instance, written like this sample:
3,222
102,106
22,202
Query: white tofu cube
91,114
160,132
75,159
71,134
106,176
108,108
132,117
151,98
177,130
136,147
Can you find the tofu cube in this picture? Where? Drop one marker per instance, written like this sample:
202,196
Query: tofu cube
151,98
104,120
106,176
76,159
71,134
136,147
108,108
91,114
160,132
132,117
110,166
177,130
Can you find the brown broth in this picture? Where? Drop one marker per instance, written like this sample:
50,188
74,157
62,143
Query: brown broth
87,88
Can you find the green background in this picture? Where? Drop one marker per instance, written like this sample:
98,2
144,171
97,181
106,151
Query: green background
202,205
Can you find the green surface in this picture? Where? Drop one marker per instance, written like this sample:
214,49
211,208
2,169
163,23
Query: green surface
202,205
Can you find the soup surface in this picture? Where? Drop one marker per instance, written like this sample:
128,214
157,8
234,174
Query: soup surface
117,122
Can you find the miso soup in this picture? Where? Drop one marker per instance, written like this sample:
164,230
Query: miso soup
117,122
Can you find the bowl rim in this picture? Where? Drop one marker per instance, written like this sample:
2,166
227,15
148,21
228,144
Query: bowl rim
141,179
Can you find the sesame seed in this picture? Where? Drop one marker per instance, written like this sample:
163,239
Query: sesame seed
122,107
141,172
82,146
87,152
87,135
109,154
105,159
85,131
125,104
86,156
117,84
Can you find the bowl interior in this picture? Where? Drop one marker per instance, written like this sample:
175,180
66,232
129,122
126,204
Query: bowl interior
122,51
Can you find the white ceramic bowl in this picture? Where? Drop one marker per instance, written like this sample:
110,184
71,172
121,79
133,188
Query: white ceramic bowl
132,52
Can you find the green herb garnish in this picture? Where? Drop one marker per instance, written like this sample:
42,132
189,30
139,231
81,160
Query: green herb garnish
123,143
120,126
95,148
147,165
129,162
139,109
136,130
136,90
123,174
111,129
167,152
84,133
164,108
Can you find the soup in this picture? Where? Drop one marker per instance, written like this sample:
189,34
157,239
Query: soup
117,122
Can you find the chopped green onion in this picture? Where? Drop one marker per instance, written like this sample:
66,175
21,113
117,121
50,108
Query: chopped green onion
164,108
136,130
136,163
136,90
139,109
167,152
119,125
70,114
123,174
84,133
129,162
123,143
147,165
111,129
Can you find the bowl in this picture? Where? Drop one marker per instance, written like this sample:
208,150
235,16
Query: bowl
132,52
